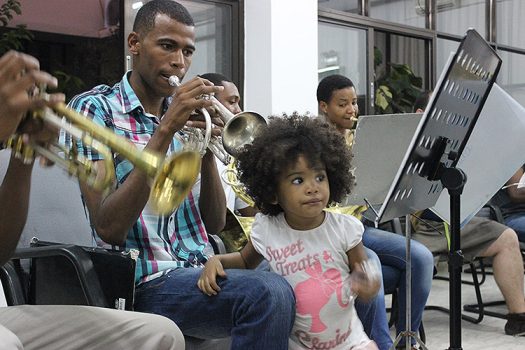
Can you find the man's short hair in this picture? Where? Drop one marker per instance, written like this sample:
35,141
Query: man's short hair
145,19
216,78
331,83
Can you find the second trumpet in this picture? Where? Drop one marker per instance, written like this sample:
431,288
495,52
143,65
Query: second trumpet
239,129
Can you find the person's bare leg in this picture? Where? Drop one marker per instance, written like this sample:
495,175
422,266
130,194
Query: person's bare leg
508,269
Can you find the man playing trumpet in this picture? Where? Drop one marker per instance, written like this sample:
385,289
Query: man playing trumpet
258,309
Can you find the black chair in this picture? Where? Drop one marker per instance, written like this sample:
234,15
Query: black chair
476,267
66,274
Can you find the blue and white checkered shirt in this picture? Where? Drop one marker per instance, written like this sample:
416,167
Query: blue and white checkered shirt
164,242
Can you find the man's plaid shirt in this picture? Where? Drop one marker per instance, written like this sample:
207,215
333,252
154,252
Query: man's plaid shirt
164,242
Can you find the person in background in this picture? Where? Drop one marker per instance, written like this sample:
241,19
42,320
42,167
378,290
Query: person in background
511,200
51,327
337,100
481,237
230,98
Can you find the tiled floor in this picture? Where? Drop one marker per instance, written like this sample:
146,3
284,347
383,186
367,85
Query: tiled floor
488,334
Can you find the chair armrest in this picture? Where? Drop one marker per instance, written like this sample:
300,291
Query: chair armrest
13,291
495,212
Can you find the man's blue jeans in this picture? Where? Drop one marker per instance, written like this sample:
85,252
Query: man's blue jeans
255,308
517,223
391,250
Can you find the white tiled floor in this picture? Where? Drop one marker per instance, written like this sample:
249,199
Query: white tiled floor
488,334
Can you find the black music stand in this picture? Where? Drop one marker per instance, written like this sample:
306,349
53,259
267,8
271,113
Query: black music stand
429,164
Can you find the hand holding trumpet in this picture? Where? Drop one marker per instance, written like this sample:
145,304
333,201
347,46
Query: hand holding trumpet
186,100
20,74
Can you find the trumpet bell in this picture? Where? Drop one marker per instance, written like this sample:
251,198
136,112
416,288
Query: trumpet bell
241,130
174,181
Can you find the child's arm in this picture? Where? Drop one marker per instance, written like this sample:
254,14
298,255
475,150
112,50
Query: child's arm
247,258
365,284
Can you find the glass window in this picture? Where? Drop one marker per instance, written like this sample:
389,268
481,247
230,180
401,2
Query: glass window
401,71
213,29
342,50
351,6
509,22
455,16
511,76
407,12
444,49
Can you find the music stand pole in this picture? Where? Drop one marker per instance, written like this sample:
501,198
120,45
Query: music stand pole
408,333
453,179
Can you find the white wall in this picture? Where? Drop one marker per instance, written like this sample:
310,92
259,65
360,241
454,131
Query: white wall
280,56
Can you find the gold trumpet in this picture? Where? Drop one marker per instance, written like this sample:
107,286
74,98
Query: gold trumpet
172,178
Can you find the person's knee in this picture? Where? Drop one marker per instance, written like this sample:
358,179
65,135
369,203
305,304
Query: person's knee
509,240
276,289
169,336
271,290
8,340
421,256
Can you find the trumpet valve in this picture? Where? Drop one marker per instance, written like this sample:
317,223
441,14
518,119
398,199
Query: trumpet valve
20,150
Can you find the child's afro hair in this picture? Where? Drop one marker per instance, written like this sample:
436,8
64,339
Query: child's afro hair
279,145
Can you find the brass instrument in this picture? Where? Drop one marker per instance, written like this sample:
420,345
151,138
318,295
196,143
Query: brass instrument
239,129
172,178
230,177
74,163
191,137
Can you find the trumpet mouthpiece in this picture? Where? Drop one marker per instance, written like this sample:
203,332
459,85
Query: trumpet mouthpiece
174,80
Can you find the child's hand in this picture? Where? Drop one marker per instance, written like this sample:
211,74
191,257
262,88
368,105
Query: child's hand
208,281
366,279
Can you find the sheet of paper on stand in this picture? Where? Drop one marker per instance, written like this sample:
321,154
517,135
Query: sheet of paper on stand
492,155
521,183
380,143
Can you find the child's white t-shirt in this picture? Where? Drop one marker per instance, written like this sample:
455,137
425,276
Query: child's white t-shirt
315,264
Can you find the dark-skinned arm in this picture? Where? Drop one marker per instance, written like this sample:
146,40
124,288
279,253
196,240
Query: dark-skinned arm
14,203
19,74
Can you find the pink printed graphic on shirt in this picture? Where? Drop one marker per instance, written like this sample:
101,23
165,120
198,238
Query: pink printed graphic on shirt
314,293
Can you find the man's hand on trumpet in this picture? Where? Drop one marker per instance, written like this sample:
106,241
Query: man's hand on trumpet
196,120
19,74
187,99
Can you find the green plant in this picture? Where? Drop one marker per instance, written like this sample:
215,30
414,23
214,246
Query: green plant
16,38
397,88
12,39
67,83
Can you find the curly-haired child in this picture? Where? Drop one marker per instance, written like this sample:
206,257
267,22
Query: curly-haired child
295,168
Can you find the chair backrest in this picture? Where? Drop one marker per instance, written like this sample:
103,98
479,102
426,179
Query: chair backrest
83,276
